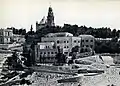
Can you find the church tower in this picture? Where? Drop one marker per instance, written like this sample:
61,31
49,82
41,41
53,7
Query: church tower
50,18
49,21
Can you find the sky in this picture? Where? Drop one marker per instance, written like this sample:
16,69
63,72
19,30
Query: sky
94,13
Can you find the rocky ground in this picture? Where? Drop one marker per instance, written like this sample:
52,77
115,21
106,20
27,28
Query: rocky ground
111,77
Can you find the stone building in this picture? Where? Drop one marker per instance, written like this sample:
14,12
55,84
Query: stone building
105,40
64,40
46,22
45,52
87,41
48,48
5,36
18,38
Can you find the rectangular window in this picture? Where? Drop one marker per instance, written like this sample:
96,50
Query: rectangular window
37,52
48,52
51,52
58,41
86,40
82,40
74,41
87,46
65,52
8,33
67,47
91,40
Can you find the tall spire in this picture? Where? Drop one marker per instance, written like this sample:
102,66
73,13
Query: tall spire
50,17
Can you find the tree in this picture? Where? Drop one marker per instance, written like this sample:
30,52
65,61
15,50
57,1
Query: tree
60,57
75,49
114,33
23,31
20,31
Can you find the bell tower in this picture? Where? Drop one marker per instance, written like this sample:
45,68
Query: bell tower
50,18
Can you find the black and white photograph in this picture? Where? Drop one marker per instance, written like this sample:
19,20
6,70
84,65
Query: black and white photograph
59,42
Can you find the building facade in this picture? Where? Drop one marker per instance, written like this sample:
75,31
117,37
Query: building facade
48,48
19,38
5,36
64,40
45,52
87,41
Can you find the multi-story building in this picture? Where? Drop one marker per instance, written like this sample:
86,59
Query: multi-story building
5,36
87,41
48,48
64,40
18,38
45,52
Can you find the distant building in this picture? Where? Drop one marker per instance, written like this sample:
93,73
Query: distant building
19,38
87,41
103,39
5,36
64,40
48,48
45,52
46,22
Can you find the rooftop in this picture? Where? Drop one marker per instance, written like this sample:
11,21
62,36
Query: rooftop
86,36
60,34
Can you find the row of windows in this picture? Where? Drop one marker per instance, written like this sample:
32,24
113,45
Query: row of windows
88,46
7,40
6,33
87,40
66,47
47,46
48,41
48,52
64,41
75,41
